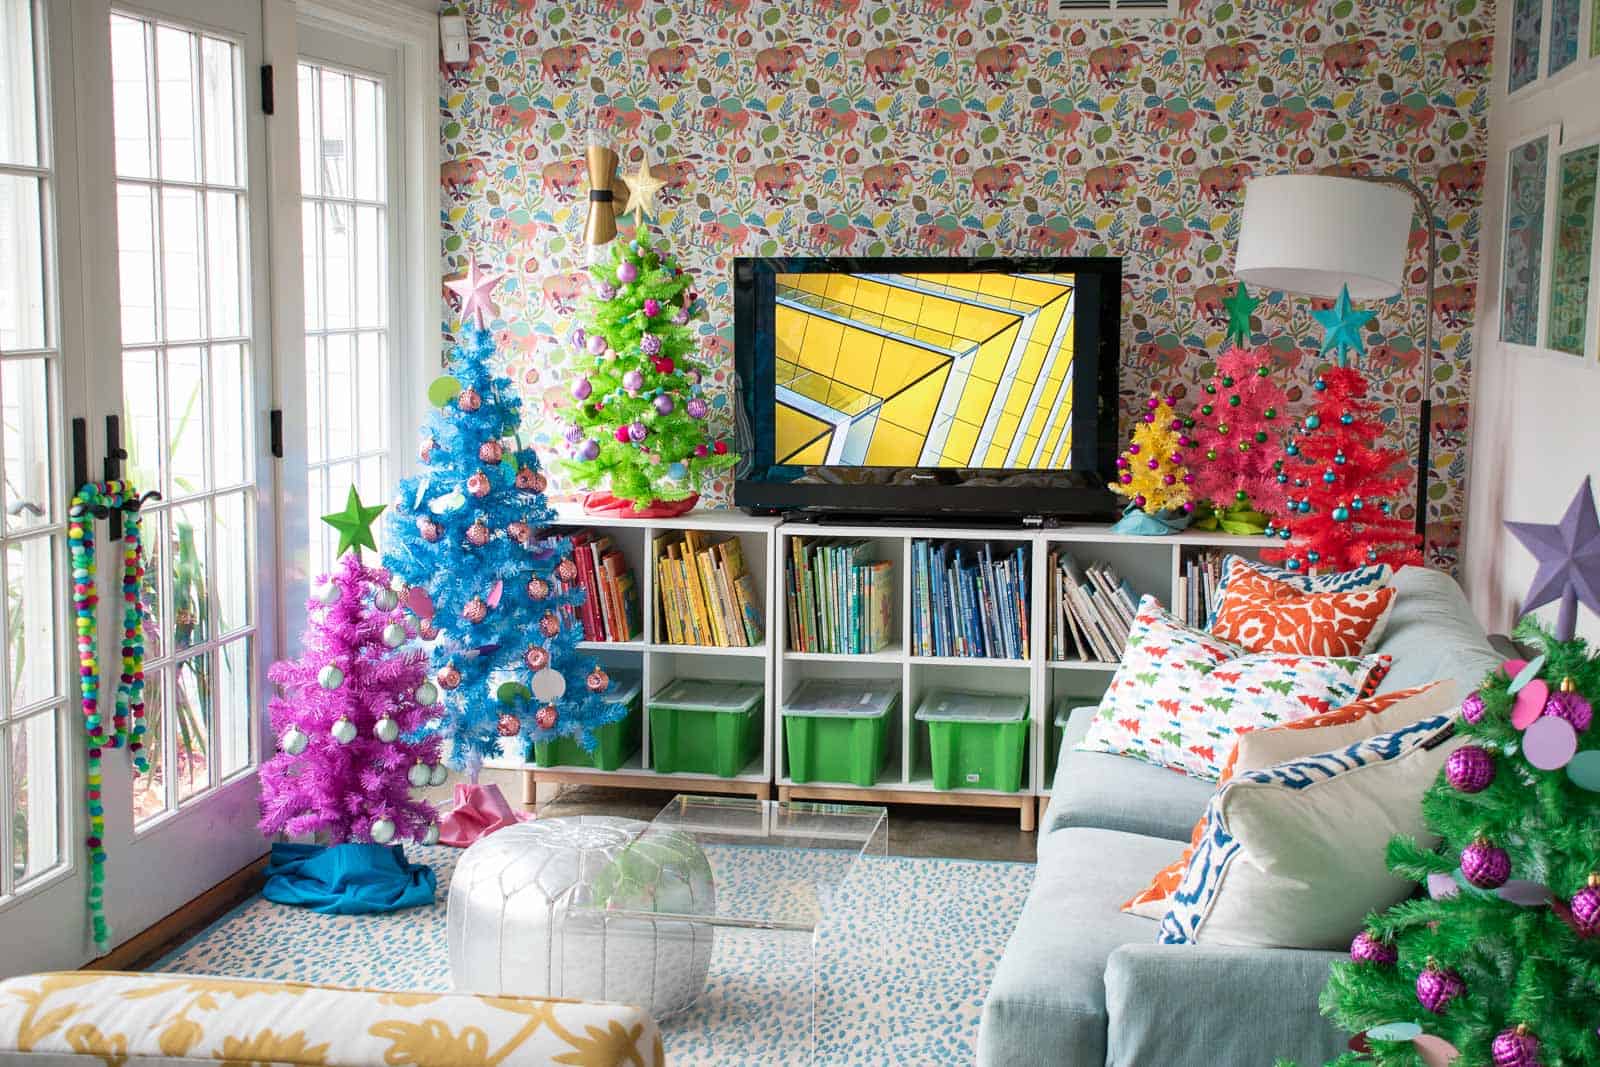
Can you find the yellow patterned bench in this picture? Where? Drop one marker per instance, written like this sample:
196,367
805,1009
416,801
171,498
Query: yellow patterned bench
120,1020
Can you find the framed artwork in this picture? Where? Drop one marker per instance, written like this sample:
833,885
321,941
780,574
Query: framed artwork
1526,27
1566,24
1570,326
1523,254
1594,28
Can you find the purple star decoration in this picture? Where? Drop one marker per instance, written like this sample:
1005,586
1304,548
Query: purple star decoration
1568,554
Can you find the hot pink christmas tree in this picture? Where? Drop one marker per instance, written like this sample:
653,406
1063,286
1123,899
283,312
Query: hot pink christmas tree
1238,429
353,705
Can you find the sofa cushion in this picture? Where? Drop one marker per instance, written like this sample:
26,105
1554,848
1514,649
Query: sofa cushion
1432,634
1266,615
1374,577
1047,1003
1117,793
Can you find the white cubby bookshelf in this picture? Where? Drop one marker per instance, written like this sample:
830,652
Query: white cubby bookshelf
1149,564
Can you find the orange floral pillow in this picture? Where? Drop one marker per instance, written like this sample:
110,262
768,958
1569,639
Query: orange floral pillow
1152,900
1266,615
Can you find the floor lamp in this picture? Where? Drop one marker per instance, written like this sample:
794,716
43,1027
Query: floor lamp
1314,234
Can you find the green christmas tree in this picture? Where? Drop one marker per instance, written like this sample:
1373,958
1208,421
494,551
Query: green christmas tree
639,414
1501,962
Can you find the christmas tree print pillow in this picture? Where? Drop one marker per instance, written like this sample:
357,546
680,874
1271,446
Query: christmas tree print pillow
1374,577
1181,696
1266,615
1292,856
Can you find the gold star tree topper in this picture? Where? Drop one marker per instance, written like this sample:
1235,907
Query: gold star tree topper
642,189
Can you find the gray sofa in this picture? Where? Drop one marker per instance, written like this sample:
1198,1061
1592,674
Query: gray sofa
1083,983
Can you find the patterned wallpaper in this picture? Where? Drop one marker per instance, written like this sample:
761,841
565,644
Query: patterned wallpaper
959,126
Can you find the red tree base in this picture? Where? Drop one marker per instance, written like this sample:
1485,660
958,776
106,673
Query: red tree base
614,508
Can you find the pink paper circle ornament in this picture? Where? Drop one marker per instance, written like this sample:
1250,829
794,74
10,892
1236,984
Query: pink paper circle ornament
1550,743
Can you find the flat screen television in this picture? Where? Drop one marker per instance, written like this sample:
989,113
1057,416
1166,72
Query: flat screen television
928,386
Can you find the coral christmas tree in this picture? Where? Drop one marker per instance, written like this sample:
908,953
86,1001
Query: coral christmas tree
1336,483
1501,963
490,591
639,413
1153,472
350,721
1237,430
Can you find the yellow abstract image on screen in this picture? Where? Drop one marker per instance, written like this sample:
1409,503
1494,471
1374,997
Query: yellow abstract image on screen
924,370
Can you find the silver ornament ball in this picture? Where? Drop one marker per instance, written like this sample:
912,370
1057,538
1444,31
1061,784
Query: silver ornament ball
394,635
385,600
293,741
344,731
427,693
382,831
418,775
330,676
386,730
439,775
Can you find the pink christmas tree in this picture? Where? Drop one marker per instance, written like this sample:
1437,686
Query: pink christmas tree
348,722
1238,428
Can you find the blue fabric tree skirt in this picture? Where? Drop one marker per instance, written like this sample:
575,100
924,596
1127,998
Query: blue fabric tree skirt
353,879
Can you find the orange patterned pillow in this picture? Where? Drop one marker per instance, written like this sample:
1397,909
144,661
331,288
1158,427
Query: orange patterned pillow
1151,901
1266,615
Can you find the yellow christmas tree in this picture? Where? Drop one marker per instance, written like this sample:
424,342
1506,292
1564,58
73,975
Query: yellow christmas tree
1151,473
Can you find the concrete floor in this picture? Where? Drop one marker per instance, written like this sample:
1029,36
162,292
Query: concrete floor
914,830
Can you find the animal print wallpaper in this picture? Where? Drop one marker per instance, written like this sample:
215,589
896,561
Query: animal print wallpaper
955,126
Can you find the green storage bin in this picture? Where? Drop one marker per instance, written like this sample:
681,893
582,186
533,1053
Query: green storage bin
614,742
836,731
976,739
705,727
1058,726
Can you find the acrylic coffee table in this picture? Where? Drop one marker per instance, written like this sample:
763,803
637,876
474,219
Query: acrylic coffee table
778,868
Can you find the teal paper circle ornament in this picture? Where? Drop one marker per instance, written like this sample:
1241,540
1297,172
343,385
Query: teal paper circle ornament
1528,673
443,389
1584,770
1394,1032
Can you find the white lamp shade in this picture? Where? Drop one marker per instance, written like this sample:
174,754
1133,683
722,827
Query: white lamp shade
1314,234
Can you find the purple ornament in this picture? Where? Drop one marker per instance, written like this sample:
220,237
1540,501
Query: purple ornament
694,377
581,389
1437,987
637,432
1585,908
626,271
588,450
1368,949
596,344
574,434
697,408
664,405
652,307
682,317
607,291
633,381
1570,705
577,337
1472,708
1470,769
1484,865
1516,1048
650,344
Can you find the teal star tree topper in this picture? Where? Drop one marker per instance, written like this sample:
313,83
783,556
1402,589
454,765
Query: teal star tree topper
354,523
1341,326
1239,306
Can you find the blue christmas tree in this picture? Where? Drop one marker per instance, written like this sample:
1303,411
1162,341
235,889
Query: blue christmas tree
490,589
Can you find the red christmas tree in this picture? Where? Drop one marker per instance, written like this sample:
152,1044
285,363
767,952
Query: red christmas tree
1239,427
1336,484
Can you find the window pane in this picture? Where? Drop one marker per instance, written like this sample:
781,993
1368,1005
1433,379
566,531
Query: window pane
366,138
317,499
373,378
141,388
191,576
191,722
19,135
311,253
339,387
22,256
336,251
231,417
372,287
136,253
233,707
182,240
31,598
149,790
235,534
316,383
130,97
226,312
221,110
186,420
34,808
157,549
176,114
332,151
26,404
308,130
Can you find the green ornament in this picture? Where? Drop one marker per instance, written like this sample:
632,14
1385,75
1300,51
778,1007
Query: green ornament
1233,401
354,523
1239,307
512,692
443,389
1205,409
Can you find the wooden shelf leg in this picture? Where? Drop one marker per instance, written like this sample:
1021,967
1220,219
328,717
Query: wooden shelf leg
783,794
765,792
1028,811
530,790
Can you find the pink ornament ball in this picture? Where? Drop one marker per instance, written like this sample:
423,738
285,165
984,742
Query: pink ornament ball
1585,907
589,450
1485,866
697,408
520,531
537,657
652,307
626,271
1570,705
509,725
1154,464
596,344
524,479
566,570
491,451
1473,707
1126,479
478,484
449,677
664,405
1152,403
1122,462
581,389
633,381
1437,987
1151,417
427,630
622,434
1515,1048
550,624
664,365
468,399
546,717
637,432
1368,949
720,448
428,530
1133,449
1139,501
597,681
700,451
1470,769
1188,479
538,588
425,452
475,610
478,534
1171,479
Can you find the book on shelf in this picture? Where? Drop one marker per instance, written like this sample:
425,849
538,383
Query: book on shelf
1092,610
706,592
840,599
608,584
969,600
1202,573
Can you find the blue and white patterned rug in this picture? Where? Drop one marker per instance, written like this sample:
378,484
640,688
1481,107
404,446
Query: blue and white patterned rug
903,964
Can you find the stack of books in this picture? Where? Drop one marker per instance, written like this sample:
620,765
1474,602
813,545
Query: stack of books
1091,610
1197,588
969,599
610,609
706,593
840,599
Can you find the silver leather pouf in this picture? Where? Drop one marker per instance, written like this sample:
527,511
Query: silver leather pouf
517,925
